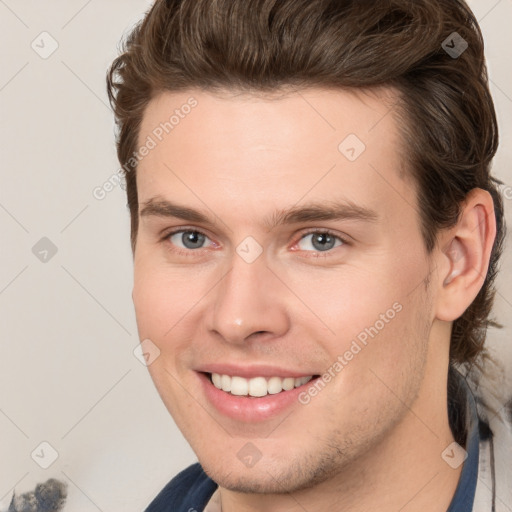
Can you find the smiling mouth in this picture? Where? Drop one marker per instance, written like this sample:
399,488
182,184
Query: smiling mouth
256,387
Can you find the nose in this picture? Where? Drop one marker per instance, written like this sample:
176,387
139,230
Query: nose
248,303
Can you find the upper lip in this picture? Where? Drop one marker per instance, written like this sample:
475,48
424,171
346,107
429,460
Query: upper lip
250,371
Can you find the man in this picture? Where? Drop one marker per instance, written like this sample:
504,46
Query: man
315,234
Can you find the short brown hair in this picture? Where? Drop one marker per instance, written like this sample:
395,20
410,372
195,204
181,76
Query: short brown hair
449,129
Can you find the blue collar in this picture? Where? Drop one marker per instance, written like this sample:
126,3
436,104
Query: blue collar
465,493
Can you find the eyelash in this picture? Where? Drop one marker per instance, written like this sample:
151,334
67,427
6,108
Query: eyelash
313,254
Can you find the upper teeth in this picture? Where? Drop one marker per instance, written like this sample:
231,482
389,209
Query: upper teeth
257,386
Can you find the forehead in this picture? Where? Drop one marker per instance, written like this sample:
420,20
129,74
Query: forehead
320,115
259,151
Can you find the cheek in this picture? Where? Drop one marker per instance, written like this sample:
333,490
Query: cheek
374,372
162,298
346,300
150,300
164,305
373,317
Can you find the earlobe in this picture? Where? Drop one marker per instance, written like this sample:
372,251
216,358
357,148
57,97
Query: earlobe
468,250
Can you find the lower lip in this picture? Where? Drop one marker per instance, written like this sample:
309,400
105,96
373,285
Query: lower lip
251,409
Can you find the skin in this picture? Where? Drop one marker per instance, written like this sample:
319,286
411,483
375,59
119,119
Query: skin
372,438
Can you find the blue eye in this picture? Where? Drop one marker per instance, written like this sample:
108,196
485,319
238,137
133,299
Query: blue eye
316,241
319,241
188,239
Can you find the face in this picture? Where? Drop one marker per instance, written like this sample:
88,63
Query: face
279,258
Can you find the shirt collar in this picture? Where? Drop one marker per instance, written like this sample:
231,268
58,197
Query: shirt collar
462,405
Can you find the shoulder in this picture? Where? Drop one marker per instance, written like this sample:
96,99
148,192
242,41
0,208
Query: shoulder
490,379
189,490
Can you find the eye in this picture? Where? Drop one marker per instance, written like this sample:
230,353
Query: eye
188,239
319,241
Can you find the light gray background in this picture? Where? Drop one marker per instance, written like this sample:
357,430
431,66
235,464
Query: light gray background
68,375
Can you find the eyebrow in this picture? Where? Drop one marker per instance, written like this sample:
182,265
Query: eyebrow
310,212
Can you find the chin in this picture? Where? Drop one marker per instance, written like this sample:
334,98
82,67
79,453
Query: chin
276,476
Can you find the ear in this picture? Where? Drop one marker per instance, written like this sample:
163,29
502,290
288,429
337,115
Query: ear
464,256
